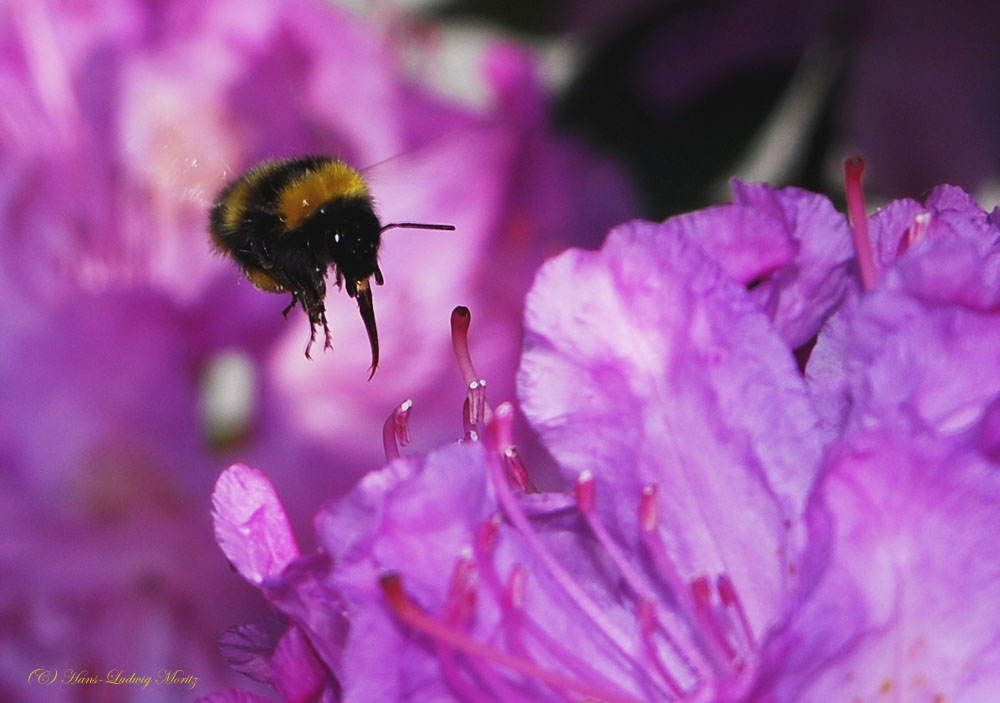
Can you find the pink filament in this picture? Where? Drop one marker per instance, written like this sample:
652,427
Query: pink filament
731,599
501,433
586,495
408,612
854,169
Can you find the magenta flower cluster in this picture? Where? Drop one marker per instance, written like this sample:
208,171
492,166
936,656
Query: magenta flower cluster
783,450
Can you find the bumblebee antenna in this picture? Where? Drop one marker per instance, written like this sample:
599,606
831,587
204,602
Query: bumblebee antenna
417,225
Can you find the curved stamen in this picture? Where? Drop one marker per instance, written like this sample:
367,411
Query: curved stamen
479,409
517,472
647,625
701,656
459,610
722,648
469,427
649,520
396,430
516,622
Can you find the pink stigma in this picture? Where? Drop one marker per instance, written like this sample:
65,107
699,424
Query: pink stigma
479,409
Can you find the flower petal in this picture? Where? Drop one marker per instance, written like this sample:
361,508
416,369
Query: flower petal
748,243
298,673
250,524
908,609
248,648
799,296
644,364
898,353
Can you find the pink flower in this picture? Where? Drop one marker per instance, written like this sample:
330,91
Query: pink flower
721,543
692,451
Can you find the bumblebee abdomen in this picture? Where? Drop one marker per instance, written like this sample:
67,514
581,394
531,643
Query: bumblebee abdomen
247,207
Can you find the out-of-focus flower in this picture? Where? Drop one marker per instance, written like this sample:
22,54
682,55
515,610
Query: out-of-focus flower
919,93
120,122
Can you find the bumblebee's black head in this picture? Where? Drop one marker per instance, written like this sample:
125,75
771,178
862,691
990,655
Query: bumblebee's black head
346,233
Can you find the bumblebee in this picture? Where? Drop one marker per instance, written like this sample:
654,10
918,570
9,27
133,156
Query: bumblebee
286,222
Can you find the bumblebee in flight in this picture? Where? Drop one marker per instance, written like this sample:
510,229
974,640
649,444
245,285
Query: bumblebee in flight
286,222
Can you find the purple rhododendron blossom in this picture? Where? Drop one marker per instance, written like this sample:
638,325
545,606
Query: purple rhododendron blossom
120,122
686,544
722,544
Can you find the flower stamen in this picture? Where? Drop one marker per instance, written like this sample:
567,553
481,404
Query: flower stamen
722,649
469,428
479,409
648,623
407,611
854,169
915,233
501,431
731,600
517,472
676,636
396,430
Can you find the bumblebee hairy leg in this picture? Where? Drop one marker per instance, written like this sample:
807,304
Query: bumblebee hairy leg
316,318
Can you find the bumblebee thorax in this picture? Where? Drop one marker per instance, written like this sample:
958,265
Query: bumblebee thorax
304,197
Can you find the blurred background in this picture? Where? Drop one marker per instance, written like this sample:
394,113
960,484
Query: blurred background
136,363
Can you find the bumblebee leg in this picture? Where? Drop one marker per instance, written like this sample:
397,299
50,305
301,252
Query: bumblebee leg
312,338
326,329
378,275
295,299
